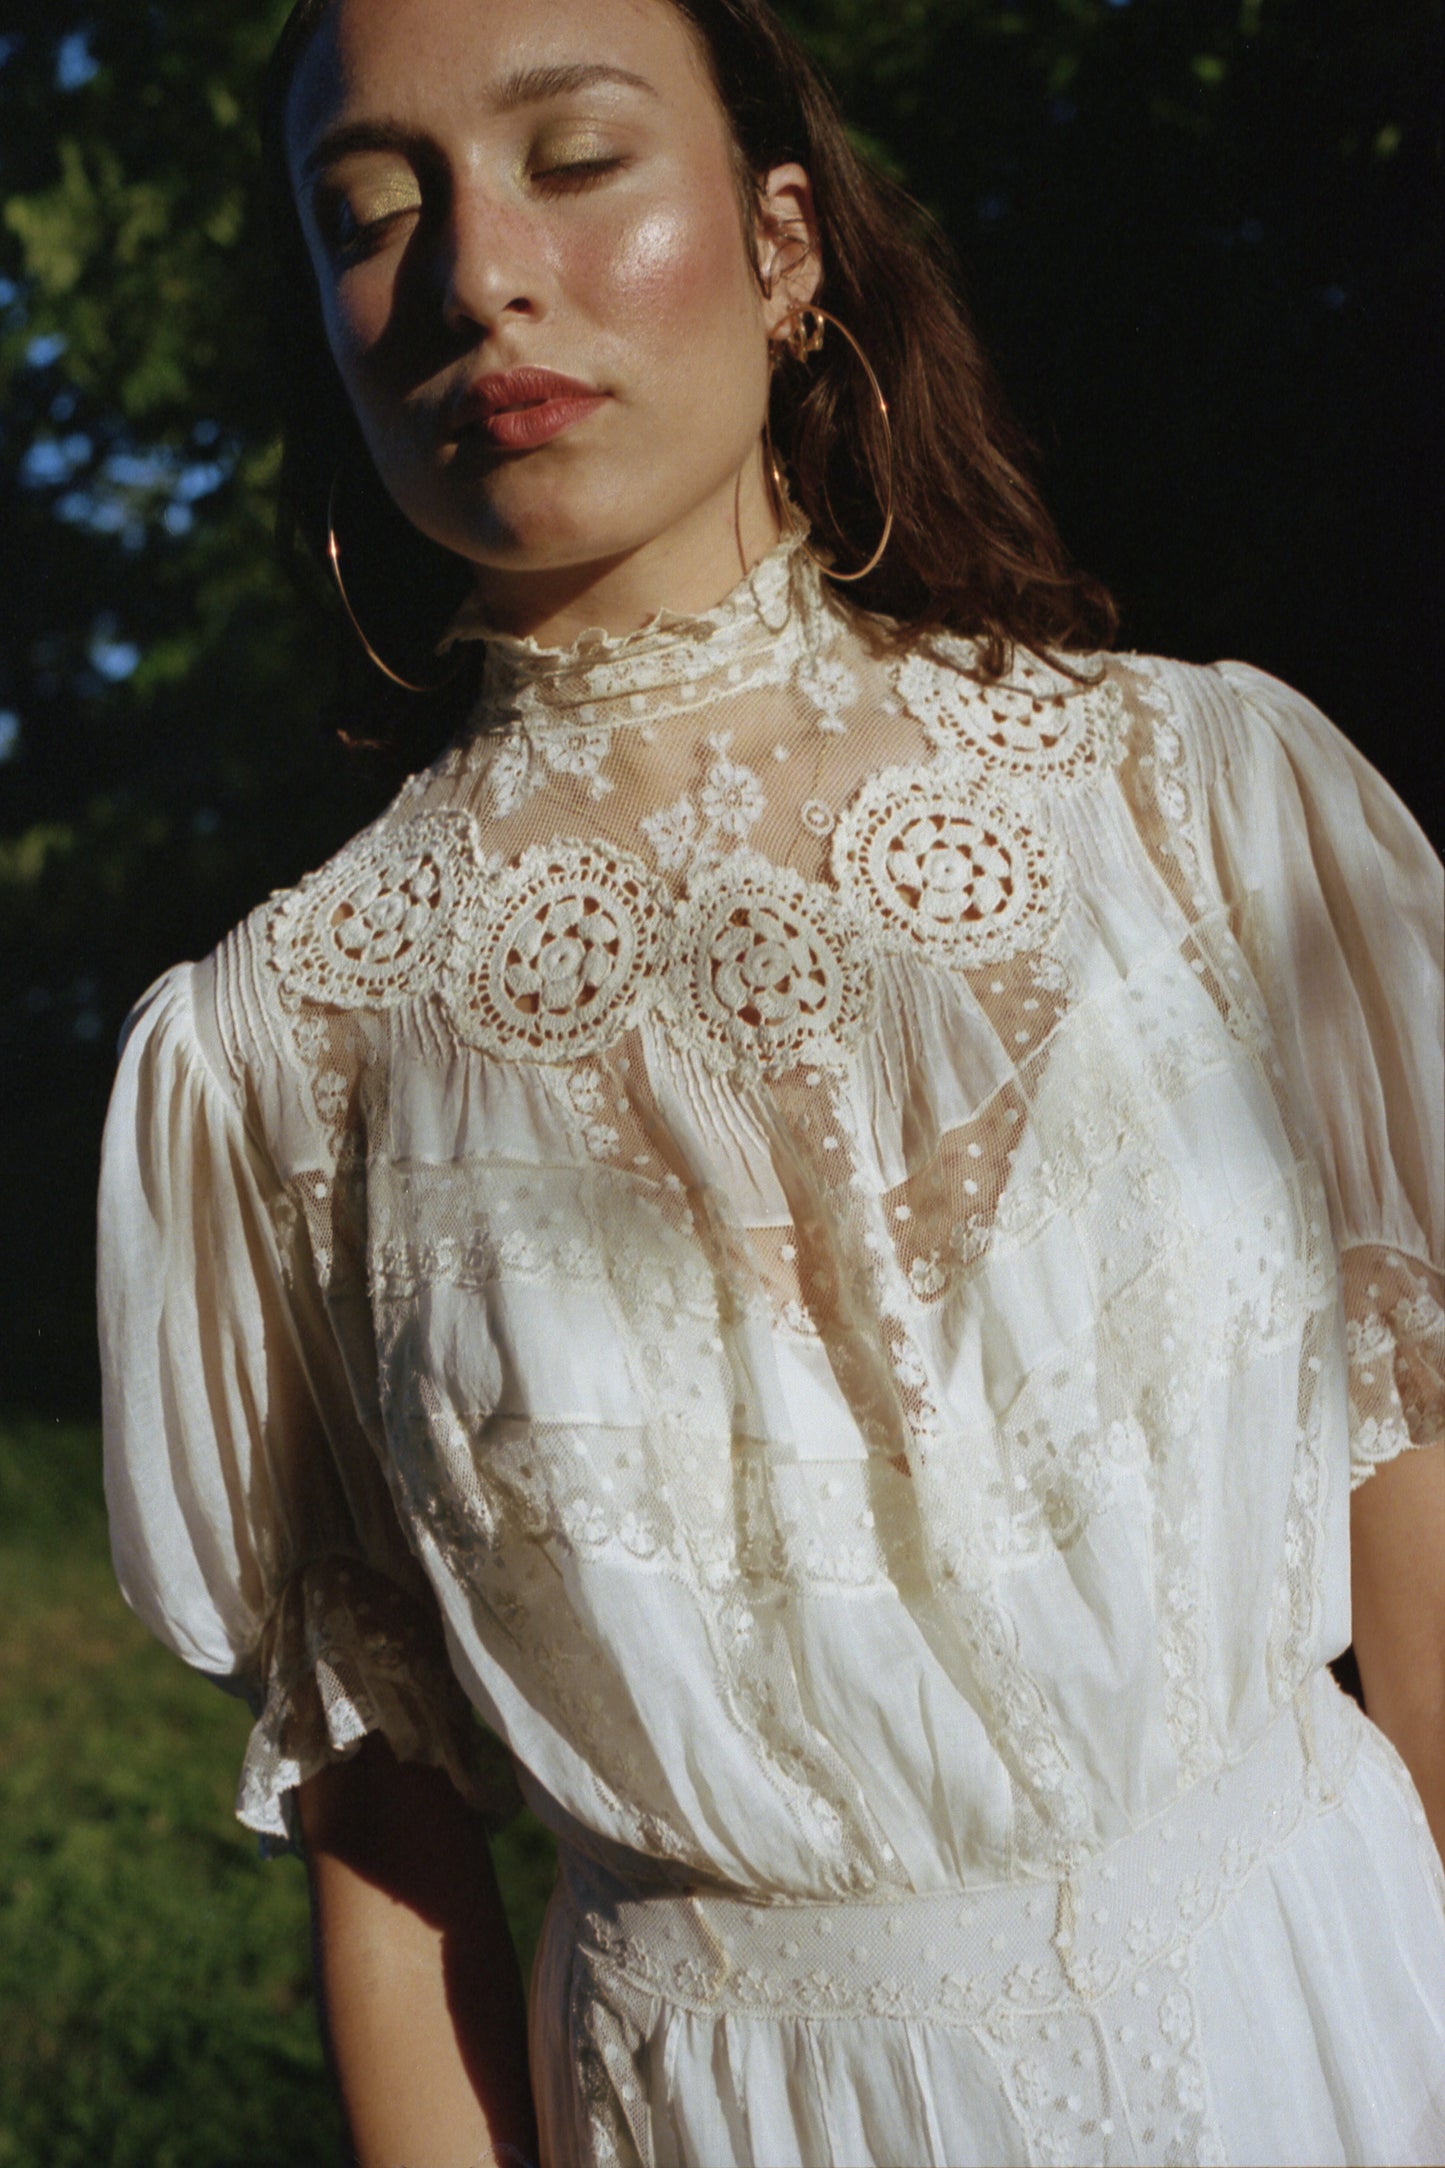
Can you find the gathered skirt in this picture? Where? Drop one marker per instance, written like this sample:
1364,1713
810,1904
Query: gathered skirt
1257,1975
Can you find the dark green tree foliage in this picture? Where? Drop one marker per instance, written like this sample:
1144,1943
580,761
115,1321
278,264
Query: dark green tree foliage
1198,237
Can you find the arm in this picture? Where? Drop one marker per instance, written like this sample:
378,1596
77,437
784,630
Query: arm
1338,901
1397,1543
418,1977
253,1530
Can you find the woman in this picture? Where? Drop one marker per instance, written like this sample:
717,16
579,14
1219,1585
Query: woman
834,1220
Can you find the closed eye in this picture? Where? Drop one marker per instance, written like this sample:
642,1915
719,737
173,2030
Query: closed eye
577,173
364,239
355,222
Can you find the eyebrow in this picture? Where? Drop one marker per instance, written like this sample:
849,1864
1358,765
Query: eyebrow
529,86
525,86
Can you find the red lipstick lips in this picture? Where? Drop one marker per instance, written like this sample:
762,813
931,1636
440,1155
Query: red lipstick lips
518,409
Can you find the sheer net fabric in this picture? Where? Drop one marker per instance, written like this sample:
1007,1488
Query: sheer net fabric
839,1236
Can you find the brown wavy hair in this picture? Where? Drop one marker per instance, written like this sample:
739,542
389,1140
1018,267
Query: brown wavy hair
974,549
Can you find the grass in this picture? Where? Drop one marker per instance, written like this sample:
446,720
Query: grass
156,2007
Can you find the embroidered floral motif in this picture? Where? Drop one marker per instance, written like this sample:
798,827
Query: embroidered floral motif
672,833
1035,721
1168,759
1176,2017
514,772
732,799
1395,1343
1374,1442
576,935
927,1277
539,744
580,752
963,880
769,969
371,928
587,1093
833,687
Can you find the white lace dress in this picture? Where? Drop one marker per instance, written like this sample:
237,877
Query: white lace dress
822,1246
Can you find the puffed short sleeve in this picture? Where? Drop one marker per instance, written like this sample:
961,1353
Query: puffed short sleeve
251,1526
1339,901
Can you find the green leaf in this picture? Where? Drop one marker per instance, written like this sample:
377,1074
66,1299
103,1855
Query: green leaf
25,859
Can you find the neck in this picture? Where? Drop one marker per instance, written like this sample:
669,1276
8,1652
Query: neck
688,568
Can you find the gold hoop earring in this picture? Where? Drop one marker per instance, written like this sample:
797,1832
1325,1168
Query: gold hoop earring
333,555
802,338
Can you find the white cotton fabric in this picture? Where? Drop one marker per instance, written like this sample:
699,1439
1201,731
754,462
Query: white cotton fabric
821,1245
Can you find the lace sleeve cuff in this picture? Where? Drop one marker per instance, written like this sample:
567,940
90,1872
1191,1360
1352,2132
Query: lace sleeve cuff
348,1653
1396,1338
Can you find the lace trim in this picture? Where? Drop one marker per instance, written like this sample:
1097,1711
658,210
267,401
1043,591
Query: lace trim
372,928
347,1653
770,971
521,764
1171,801
761,967
1395,1339
1037,722
575,935
966,880
576,939
1091,1975
673,652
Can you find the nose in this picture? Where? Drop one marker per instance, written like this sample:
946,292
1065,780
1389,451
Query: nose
488,264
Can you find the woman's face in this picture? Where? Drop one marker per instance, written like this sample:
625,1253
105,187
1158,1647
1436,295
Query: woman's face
490,187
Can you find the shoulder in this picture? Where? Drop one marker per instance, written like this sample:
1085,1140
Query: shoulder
1277,784
1060,718
1252,732
1232,712
369,929
1162,726
363,931
1228,731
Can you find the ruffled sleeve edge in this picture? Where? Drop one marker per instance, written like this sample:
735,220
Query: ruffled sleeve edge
348,1653
1395,1338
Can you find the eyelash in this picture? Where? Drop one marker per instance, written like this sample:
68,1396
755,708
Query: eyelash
363,241
581,174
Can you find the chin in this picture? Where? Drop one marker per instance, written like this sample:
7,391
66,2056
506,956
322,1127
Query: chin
550,530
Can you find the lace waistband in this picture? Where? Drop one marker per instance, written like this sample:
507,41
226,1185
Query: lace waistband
964,1957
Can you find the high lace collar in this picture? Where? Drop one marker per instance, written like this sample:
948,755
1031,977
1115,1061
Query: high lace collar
760,623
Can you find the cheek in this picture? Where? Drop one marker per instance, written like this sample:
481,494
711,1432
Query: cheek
680,285
359,313
356,314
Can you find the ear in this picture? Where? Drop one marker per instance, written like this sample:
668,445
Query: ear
790,261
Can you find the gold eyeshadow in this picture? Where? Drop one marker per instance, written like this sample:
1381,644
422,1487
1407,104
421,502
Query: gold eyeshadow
344,209
367,201
581,147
